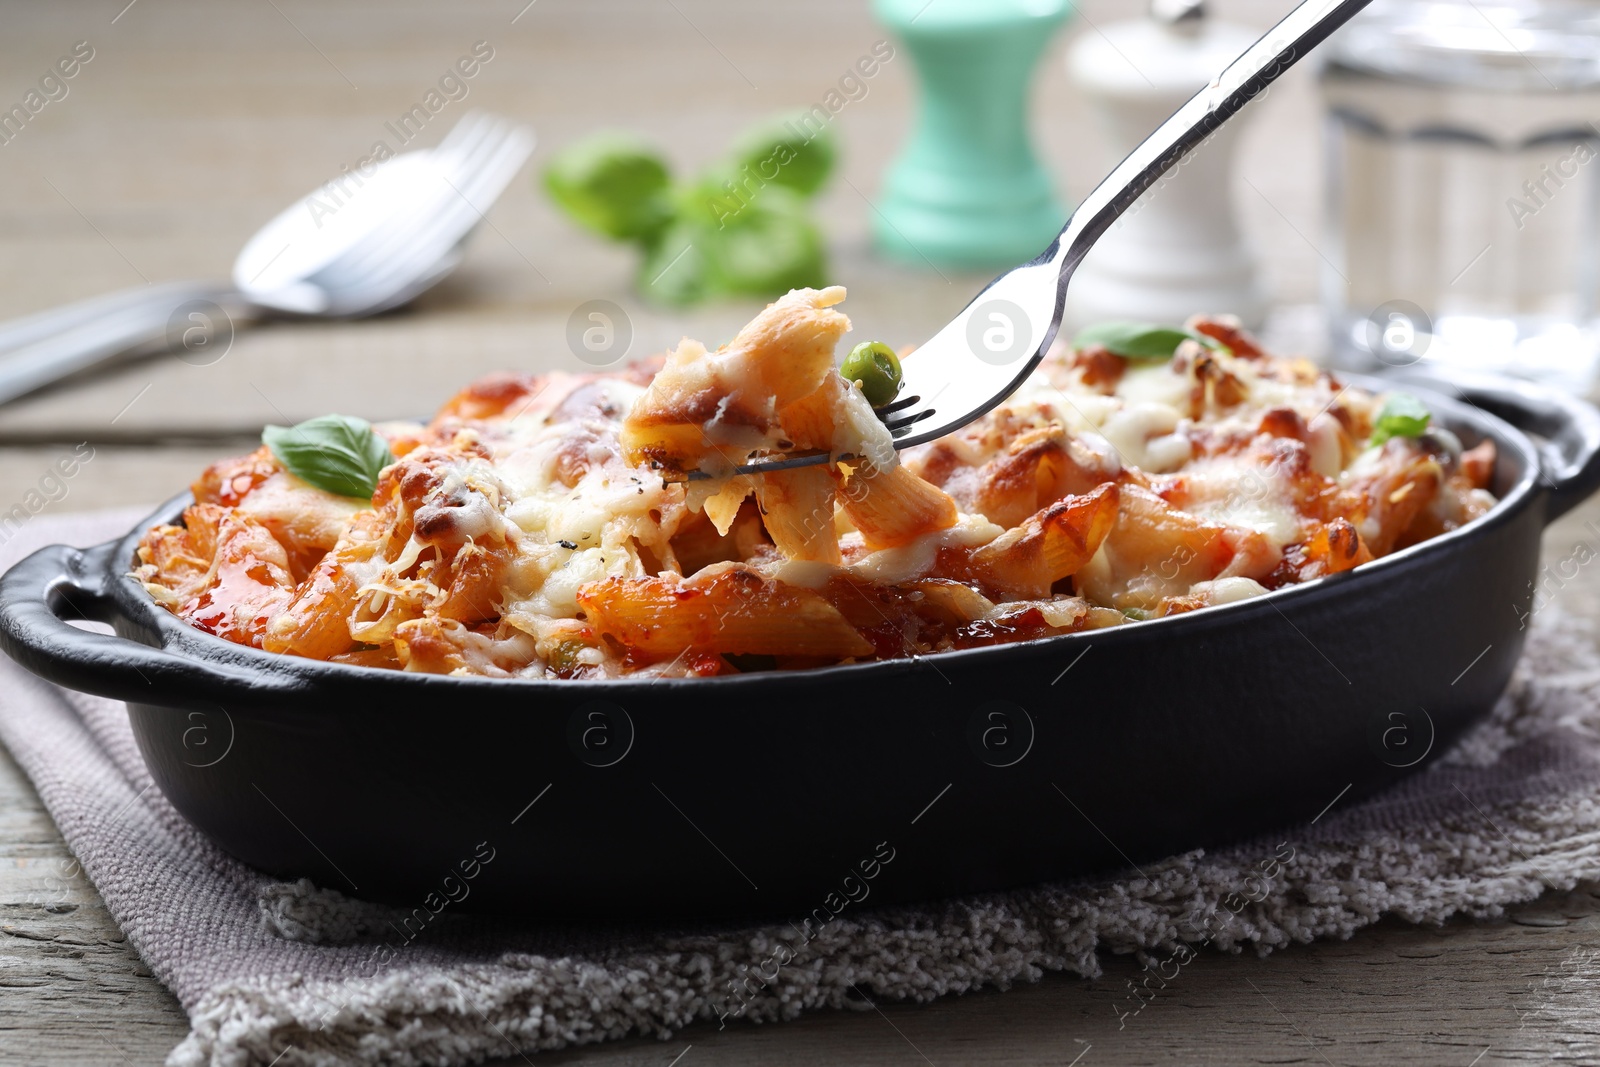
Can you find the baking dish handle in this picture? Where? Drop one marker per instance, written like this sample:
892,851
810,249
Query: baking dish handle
57,583
1567,430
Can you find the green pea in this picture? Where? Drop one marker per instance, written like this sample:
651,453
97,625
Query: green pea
877,368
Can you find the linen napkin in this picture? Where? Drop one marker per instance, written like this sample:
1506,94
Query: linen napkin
290,974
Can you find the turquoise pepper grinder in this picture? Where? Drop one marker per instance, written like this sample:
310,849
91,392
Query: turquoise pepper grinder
967,191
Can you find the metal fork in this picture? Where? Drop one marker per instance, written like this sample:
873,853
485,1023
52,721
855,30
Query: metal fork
422,207
986,352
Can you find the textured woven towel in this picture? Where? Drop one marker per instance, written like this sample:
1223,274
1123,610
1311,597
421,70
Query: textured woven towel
269,970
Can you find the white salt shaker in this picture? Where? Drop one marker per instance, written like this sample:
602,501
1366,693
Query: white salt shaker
1179,251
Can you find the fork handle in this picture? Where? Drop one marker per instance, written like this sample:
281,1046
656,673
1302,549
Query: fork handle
1246,78
44,348
28,329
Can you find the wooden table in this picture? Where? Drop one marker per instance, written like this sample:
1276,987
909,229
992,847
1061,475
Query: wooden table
194,123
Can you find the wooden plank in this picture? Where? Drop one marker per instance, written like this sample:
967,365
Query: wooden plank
71,988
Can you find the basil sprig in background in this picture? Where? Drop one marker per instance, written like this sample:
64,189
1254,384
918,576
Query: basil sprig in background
743,227
337,453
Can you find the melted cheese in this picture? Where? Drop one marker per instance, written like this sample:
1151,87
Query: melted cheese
1230,493
571,536
1148,436
1228,590
892,566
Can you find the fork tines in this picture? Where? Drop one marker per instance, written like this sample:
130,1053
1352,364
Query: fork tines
899,405
899,426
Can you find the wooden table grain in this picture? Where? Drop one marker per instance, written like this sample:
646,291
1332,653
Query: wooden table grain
196,122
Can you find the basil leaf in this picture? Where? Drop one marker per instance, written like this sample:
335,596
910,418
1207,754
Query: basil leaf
1138,340
338,453
674,270
1402,415
784,151
613,185
742,228
766,249
771,248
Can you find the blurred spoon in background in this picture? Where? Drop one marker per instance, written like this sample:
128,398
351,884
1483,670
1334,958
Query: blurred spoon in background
389,237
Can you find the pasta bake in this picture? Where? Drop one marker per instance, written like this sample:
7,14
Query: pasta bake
547,526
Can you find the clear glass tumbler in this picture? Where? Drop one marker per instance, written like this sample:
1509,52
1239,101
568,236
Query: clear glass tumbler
1463,188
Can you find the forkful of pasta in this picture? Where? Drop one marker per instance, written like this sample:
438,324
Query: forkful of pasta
969,367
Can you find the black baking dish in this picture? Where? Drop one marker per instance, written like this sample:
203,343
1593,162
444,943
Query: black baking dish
770,794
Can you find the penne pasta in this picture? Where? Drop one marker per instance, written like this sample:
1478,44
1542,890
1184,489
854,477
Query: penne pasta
1026,561
797,510
232,576
316,624
733,611
893,507
712,410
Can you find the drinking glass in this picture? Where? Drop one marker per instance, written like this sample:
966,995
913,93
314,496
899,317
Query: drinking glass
1463,188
